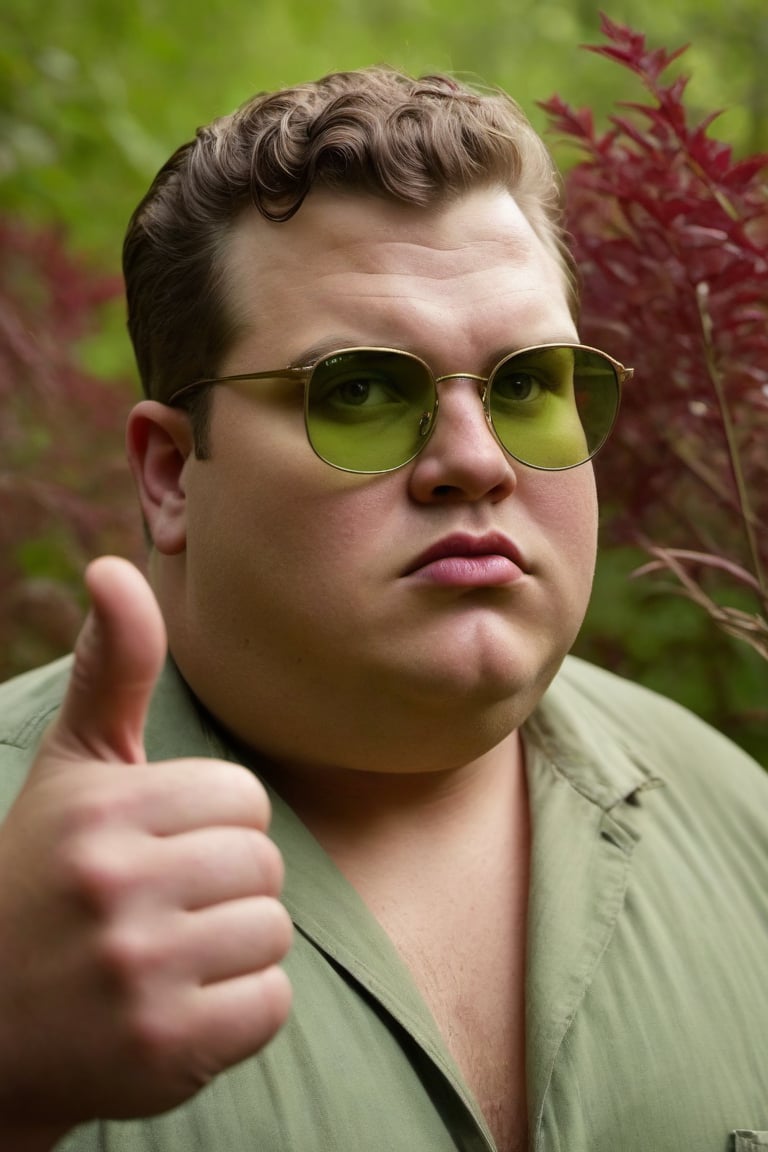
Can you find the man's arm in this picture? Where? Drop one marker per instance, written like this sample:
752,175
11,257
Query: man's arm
139,916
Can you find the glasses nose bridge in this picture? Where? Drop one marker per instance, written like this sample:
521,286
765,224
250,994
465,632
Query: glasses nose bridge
428,420
481,381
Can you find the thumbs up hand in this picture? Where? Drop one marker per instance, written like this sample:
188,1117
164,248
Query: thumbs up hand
140,926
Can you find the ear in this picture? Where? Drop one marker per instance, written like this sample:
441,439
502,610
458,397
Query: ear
159,442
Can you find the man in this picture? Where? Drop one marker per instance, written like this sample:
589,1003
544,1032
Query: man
528,899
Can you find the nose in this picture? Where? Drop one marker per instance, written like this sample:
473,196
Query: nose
462,460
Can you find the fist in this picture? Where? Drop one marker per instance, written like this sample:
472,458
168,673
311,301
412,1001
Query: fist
139,915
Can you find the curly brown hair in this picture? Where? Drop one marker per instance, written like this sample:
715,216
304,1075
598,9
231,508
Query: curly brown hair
375,130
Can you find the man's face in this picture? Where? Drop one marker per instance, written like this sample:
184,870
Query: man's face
306,617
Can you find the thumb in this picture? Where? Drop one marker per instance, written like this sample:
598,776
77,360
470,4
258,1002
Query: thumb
118,657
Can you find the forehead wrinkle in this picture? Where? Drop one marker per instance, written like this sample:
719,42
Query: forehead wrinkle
473,285
395,303
427,261
455,278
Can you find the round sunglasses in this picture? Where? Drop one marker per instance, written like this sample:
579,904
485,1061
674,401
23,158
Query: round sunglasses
372,410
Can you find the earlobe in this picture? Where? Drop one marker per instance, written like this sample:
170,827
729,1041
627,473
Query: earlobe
159,442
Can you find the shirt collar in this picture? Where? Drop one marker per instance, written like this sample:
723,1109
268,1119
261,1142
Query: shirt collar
581,732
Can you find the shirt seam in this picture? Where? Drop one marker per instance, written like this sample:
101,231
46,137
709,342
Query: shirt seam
23,737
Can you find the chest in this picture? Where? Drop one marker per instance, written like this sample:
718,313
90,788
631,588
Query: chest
473,985
451,892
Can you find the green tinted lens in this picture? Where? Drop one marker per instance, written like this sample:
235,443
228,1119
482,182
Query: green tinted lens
365,409
554,407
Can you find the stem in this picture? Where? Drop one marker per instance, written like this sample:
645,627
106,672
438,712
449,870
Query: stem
745,508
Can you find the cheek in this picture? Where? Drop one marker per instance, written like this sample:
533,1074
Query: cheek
565,506
280,519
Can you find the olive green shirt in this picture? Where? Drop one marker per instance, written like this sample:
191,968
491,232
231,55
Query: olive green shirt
647,983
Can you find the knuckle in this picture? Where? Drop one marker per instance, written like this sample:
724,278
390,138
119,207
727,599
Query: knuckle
134,961
108,796
166,1041
153,1013
158,1037
95,808
96,874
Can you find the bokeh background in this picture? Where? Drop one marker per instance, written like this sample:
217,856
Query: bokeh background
95,94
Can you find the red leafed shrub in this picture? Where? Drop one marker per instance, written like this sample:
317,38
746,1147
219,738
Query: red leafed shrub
64,490
671,236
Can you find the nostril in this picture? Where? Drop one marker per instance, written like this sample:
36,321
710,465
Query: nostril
449,492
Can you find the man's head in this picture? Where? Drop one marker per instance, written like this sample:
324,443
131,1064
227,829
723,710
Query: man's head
419,142
394,621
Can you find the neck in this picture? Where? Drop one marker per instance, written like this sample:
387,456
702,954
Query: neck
363,819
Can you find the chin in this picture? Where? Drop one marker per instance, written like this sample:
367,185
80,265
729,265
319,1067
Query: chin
475,682
485,661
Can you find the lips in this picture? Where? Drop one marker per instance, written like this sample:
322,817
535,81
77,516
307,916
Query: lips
463,558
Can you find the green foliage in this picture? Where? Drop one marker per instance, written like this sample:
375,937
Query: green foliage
667,643
64,488
94,96
670,238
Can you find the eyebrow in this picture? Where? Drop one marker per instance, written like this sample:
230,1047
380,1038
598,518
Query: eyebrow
317,351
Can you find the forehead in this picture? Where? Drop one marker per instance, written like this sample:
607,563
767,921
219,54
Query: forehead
463,278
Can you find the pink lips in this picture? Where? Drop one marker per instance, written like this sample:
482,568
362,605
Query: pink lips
462,560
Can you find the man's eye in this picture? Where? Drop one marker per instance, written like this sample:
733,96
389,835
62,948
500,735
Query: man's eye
360,392
353,391
518,386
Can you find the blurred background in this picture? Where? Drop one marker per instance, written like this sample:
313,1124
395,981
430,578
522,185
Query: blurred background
95,94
